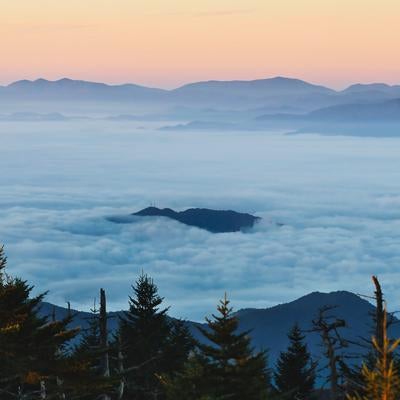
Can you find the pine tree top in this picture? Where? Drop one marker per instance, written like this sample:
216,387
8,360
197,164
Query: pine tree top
295,371
233,369
222,331
146,301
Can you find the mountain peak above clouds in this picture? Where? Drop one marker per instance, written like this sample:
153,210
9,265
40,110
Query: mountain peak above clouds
215,221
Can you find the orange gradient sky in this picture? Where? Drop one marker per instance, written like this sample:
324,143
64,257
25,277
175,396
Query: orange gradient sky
169,42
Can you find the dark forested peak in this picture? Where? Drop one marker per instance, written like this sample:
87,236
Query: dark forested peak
157,212
314,300
216,221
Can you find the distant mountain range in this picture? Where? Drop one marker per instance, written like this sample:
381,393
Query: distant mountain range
363,119
75,90
275,104
269,326
269,93
32,117
373,88
382,111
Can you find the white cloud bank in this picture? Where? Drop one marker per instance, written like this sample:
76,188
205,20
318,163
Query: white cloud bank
338,198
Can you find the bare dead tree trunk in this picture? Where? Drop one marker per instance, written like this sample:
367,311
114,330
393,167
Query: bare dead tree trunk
104,338
379,315
68,309
120,368
327,327
330,353
42,390
60,383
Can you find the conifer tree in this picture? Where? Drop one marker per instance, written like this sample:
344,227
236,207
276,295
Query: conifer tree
89,344
233,370
190,383
150,343
32,349
295,371
178,346
90,352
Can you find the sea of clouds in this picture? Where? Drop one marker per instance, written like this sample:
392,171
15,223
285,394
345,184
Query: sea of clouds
338,199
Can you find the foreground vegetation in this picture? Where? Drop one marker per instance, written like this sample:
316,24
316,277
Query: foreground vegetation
154,357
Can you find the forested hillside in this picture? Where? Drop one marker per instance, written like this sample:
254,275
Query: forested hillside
149,355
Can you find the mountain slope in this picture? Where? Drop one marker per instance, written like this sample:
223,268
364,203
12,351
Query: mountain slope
222,93
269,326
270,94
382,111
373,88
256,88
75,90
385,111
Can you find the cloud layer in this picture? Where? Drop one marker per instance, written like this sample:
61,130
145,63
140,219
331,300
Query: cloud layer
338,198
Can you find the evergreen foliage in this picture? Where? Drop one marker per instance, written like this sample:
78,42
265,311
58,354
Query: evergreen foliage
190,383
89,353
155,357
152,345
32,349
89,345
295,371
232,369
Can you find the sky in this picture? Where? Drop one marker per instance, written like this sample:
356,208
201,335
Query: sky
337,198
168,43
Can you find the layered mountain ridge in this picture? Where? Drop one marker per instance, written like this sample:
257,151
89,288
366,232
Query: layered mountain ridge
277,91
269,326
